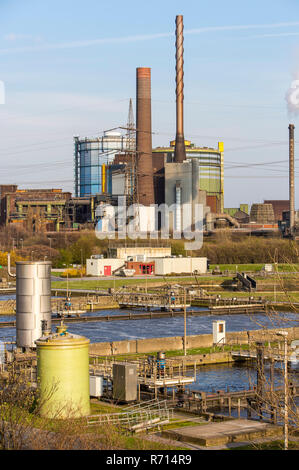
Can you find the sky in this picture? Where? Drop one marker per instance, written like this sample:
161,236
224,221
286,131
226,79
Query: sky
69,68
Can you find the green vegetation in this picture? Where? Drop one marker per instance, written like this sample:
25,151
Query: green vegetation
278,296
174,423
272,445
254,267
104,408
222,248
250,250
177,353
119,282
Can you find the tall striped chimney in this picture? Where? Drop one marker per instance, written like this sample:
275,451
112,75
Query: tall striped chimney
145,182
180,152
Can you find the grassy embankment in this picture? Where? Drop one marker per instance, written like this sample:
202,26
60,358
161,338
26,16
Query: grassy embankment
255,267
284,290
179,352
105,284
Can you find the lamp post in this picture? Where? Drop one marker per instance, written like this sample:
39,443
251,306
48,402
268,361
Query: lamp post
185,324
284,334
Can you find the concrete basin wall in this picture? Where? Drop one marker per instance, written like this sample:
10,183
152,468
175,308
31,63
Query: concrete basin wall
175,343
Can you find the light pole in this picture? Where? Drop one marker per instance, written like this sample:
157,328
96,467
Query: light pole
284,334
185,324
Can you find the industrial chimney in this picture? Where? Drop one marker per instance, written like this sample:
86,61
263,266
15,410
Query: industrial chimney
291,178
145,183
180,152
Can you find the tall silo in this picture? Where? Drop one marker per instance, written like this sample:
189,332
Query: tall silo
63,374
33,301
94,156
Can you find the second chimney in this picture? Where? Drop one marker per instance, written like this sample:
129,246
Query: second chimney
291,178
145,181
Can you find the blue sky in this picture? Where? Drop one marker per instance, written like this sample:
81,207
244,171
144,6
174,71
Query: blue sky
69,68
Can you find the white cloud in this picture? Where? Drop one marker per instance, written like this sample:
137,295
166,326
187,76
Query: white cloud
143,37
14,37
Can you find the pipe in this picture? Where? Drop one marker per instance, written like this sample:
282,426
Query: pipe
178,207
145,181
291,178
180,151
8,266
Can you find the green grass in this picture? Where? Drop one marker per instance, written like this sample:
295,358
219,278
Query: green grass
254,267
272,445
104,408
279,296
105,284
175,424
178,353
139,443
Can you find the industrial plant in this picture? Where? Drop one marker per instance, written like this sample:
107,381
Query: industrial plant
123,163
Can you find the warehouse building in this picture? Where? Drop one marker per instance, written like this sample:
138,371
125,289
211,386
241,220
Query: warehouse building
141,264
166,266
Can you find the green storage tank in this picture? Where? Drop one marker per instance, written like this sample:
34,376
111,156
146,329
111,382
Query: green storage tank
63,374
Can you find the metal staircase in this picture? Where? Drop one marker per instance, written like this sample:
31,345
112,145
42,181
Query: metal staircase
136,418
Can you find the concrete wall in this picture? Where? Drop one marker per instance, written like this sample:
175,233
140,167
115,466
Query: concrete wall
180,265
177,342
95,266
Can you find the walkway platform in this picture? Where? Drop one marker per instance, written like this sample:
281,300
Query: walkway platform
221,433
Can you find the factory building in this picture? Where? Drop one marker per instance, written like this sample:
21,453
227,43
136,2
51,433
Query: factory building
183,193
211,172
36,210
279,206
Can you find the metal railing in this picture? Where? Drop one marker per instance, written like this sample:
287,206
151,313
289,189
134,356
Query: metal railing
137,419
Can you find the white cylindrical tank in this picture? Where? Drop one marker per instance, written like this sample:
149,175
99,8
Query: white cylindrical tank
33,301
